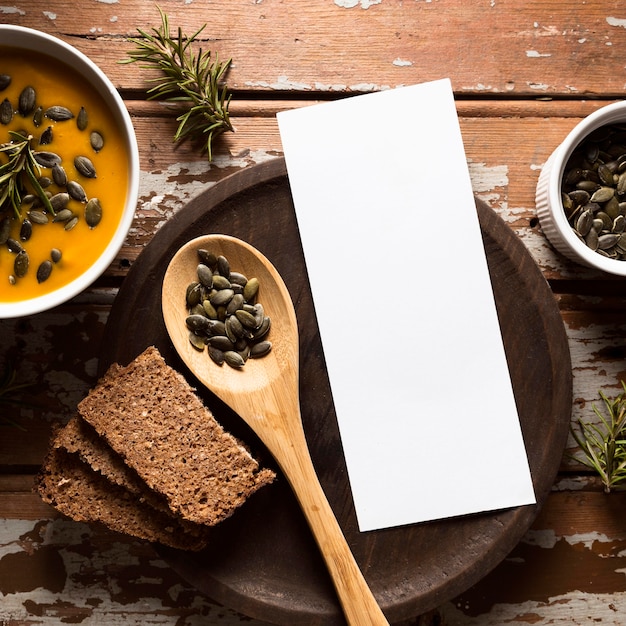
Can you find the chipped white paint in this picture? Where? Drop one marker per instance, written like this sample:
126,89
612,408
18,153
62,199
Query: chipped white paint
283,83
98,598
164,193
325,87
402,62
350,4
108,1
538,86
534,54
587,539
113,19
12,10
487,177
50,15
616,21
578,608
479,87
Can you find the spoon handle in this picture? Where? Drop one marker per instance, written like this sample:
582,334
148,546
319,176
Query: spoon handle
359,605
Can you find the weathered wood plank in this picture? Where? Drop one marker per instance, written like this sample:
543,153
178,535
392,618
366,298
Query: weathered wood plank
557,572
533,48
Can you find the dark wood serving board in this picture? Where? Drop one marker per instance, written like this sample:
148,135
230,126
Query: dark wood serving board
263,561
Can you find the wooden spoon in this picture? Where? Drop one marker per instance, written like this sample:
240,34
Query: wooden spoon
265,394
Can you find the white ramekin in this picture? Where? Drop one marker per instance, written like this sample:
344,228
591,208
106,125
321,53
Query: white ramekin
548,194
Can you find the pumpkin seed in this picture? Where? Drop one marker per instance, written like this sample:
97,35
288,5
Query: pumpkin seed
85,167
205,275
59,113
58,175
82,119
55,255
251,289
221,342
196,341
59,201
235,304
223,266
38,117
246,319
46,159
234,359
236,278
209,310
208,258
26,230
71,223
607,241
46,136
6,112
63,215
217,356
93,212
221,297
5,81
76,191
603,194
14,246
260,349
43,271
193,294
221,282
197,323
20,265
26,101
96,140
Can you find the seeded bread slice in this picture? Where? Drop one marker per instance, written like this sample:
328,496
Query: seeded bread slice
151,417
74,489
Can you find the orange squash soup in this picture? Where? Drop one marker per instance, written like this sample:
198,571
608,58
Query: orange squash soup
58,85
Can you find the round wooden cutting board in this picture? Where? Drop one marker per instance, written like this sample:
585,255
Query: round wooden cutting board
263,561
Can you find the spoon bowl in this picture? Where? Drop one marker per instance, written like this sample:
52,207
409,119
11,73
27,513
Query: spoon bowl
264,393
258,373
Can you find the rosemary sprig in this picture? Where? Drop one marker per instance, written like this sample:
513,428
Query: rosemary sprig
192,79
20,166
604,445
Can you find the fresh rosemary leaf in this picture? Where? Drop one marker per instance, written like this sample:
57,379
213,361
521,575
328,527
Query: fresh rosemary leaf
604,444
192,79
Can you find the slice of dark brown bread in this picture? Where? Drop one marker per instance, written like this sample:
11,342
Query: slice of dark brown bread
74,489
79,437
151,417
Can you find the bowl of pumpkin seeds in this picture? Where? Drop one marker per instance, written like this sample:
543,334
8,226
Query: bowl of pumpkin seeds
581,192
69,172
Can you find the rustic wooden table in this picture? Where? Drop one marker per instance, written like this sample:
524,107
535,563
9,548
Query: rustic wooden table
524,73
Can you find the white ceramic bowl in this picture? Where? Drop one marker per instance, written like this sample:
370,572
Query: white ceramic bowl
29,39
548,194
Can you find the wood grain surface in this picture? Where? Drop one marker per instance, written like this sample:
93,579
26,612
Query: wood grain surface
523,74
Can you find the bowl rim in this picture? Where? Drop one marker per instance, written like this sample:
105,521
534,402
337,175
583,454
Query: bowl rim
609,114
20,37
